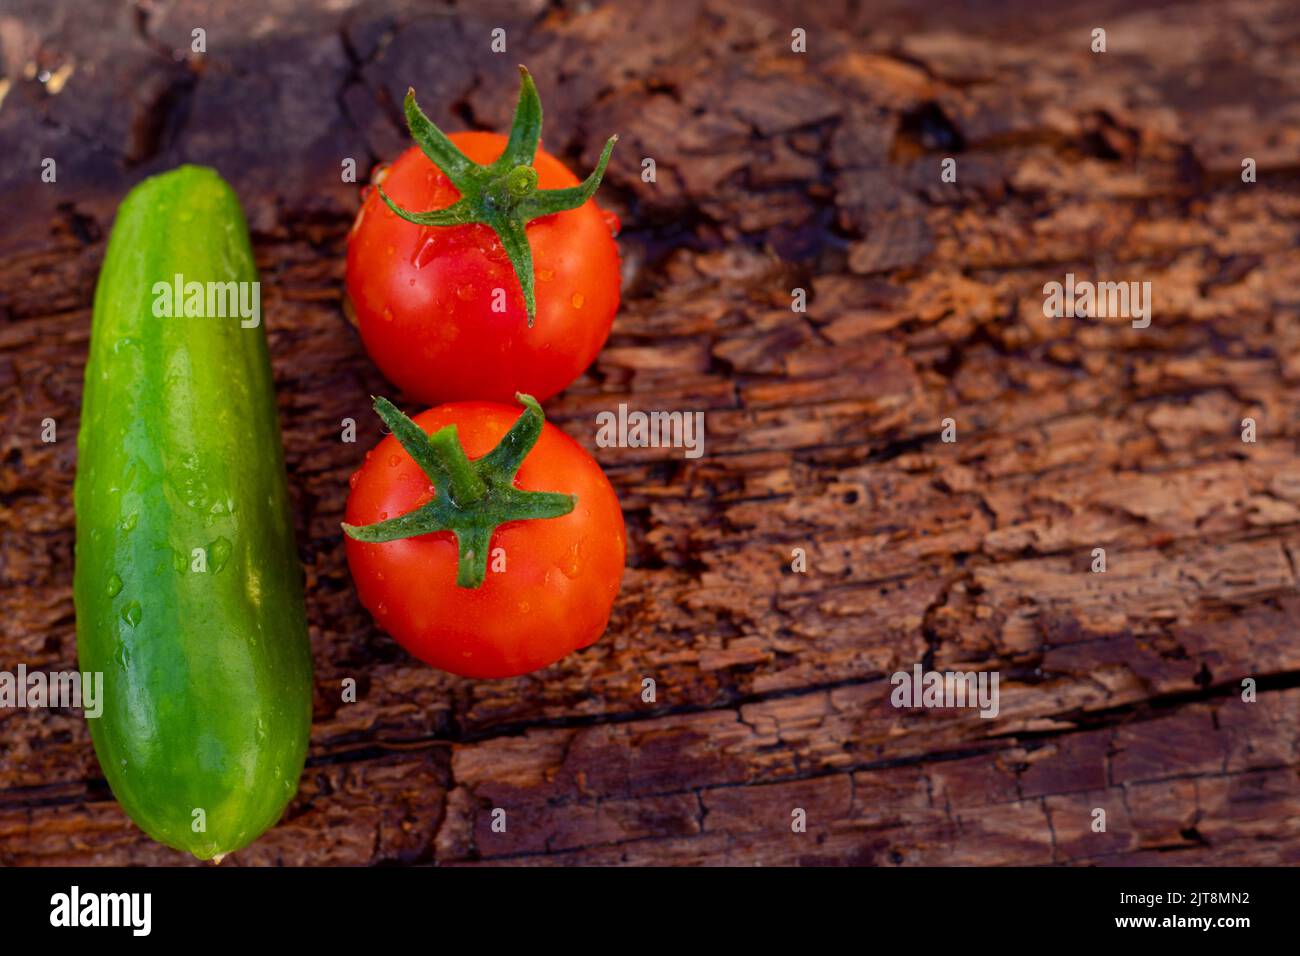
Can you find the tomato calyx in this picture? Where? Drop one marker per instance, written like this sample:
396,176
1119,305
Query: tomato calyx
472,497
503,194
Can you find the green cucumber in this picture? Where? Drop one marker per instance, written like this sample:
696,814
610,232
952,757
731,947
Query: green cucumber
189,594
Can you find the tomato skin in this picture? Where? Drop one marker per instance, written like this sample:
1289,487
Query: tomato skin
562,574
424,295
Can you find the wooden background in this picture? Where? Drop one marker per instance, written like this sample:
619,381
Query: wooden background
775,170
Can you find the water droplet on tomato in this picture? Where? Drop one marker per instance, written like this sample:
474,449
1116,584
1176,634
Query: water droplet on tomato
352,482
394,461
383,516
465,292
573,561
390,250
388,314
425,249
545,275
382,610
577,300
611,222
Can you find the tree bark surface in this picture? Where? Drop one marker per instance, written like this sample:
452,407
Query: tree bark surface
775,171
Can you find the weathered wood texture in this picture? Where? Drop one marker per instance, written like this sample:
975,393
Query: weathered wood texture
775,170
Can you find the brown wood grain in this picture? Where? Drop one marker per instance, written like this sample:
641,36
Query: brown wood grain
1119,691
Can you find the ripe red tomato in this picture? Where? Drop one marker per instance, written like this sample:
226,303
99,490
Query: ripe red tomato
560,575
424,295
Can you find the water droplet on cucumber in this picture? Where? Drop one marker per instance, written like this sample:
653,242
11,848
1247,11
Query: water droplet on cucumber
132,613
219,553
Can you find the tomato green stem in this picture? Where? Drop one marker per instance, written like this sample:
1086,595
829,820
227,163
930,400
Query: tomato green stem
466,487
503,194
472,498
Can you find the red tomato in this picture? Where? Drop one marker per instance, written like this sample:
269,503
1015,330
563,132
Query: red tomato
561,574
423,295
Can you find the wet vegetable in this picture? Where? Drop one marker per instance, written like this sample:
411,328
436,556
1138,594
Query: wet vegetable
189,593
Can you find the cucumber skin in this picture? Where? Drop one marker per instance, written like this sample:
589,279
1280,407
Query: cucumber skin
207,698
